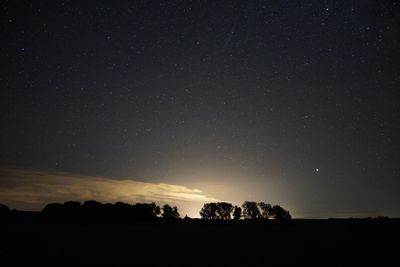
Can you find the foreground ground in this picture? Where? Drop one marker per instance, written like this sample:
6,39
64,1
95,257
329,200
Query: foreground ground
30,240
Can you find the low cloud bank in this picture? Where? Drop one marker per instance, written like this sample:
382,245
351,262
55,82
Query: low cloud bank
32,189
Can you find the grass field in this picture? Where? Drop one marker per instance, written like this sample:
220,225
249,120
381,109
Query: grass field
29,240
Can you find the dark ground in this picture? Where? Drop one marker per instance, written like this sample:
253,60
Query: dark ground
30,240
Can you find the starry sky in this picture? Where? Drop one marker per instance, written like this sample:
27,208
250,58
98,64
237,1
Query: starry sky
288,102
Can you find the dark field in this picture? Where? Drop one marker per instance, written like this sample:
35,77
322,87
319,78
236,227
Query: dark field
29,240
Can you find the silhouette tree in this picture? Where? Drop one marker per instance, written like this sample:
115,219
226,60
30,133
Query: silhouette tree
109,210
250,210
169,212
209,211
224,210
176,213
123,210
280,214
92,204
146,211
237,213
266,210
53,210
93,209
72,204
157,210
72,209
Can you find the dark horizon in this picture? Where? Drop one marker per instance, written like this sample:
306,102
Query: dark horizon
189,102
120,211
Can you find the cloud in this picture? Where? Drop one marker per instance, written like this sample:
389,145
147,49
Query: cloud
31,189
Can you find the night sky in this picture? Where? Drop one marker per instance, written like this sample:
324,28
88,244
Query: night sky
288,102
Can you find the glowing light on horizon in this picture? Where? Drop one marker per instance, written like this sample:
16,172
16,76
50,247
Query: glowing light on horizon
33,188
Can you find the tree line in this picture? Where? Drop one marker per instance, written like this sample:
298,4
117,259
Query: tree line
149,211
95,209
249,210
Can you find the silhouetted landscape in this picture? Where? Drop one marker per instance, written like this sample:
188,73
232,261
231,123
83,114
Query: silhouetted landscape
147,235
200,133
